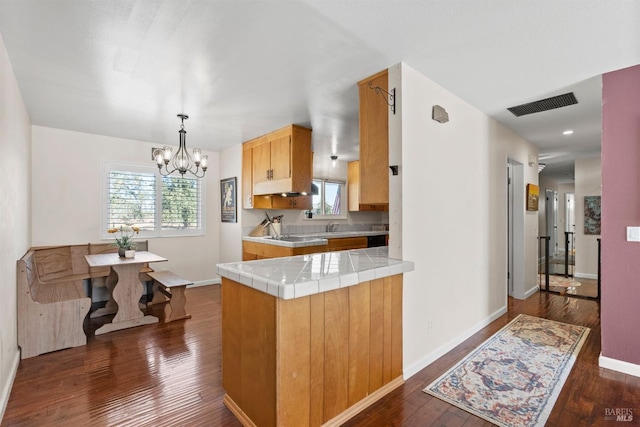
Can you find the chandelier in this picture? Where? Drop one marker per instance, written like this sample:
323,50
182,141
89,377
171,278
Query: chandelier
181,161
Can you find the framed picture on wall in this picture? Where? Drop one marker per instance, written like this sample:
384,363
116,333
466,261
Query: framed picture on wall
533,193
592,215
228,200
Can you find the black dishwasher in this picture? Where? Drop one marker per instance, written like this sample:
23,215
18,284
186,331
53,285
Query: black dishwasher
379,240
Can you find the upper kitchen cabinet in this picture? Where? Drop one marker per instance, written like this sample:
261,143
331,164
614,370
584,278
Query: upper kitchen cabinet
247,177
282,161
276,163
369,178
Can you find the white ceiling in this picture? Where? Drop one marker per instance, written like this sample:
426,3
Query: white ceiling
240,69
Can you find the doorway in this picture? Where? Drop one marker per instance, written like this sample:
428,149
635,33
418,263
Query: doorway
570,219
516,283
551,213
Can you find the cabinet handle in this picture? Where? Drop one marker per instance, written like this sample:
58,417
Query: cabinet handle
270,173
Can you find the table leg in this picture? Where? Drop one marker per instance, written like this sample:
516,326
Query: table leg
126,293
111,306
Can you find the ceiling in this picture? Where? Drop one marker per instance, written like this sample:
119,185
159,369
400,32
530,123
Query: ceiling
240,69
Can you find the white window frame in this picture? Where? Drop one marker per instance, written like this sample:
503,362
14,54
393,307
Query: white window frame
343,200
157,232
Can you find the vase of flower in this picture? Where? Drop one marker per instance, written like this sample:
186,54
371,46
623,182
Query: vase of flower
124,242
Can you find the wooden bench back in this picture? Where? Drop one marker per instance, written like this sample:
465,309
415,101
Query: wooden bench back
100,248
61,262
27,275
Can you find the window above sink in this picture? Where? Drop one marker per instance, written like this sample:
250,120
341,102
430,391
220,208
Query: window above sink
330,202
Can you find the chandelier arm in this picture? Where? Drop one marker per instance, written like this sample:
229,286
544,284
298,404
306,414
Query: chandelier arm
196,172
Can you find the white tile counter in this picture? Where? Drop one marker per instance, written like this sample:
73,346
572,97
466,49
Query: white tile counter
303,242
302,275
312,239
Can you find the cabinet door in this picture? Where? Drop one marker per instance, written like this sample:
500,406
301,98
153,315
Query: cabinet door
299,202
303,202
261,162
247,179
281,158
279,202
353,185
374,142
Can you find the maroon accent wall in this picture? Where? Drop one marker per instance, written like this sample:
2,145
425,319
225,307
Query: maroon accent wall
620,308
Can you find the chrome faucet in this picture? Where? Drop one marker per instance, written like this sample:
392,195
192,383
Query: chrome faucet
331,227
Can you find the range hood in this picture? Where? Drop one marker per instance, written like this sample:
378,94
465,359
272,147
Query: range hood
314,192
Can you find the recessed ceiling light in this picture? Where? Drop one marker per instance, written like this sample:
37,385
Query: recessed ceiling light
567,132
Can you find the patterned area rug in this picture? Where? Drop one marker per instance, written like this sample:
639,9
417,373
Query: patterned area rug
515,377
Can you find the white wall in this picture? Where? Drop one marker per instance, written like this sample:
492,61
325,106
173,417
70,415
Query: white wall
454,222
231,233
15,187
66,205
588,183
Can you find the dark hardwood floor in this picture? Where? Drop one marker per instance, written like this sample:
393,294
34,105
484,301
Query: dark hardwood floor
170,375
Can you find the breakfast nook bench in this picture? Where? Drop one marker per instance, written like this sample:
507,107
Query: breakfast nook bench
52,300
169,285
52,303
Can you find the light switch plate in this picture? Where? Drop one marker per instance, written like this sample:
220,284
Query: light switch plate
633,234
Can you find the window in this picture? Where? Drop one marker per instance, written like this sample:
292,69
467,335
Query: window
159,205
329,202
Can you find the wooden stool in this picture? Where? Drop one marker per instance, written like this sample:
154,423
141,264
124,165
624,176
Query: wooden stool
167,285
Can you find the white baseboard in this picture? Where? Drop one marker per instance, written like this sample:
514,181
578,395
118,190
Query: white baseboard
585,276
441,351
205,283
619,365
531,291
6,389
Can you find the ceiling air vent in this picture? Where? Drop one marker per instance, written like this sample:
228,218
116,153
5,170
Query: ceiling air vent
544,104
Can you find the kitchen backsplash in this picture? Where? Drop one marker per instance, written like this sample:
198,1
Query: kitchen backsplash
320,228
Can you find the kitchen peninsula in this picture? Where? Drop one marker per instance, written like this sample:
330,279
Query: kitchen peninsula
311,340
300,244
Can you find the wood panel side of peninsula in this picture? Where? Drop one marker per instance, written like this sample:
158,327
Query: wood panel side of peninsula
310,361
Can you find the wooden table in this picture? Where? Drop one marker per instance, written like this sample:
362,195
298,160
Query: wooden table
127,290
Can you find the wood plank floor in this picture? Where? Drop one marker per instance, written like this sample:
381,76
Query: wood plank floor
170,375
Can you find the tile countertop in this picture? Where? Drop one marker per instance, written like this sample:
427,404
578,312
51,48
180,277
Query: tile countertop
312,239
302,275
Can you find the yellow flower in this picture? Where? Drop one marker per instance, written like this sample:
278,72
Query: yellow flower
127,234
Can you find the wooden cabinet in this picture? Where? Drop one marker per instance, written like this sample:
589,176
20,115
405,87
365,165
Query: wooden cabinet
353,190
314,360
370,179
276,163
247,177
297,202
281,161
255,250
279,202
346,243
